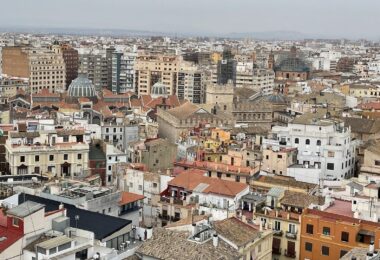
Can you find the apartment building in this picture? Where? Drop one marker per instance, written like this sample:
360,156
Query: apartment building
45,68
71,59
191,84
9,86
330,235
62,153
96,67
325,149
153,68
123,74
263,81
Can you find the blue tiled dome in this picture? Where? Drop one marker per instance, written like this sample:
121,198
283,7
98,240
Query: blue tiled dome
81,87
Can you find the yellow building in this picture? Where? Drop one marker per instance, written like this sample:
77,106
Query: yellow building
221,135
215,57
43,67
153,68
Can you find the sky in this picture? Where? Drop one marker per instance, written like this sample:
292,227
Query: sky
327,18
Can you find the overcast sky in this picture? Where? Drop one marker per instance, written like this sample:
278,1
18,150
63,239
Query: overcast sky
332,18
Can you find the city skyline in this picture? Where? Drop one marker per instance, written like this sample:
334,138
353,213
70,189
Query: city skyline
264,19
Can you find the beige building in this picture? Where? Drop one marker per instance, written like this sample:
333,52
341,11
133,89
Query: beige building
221,94
371,161
9,87
176,121
44,68
152,68
277,161
62,153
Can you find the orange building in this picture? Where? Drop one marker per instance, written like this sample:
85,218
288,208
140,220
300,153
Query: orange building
327,235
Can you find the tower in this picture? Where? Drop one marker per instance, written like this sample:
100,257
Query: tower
271,60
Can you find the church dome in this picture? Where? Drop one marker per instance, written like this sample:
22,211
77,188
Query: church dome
81,87
159,90
275,98
292,64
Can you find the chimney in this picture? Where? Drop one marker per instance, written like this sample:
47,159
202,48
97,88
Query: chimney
371,248
215,240
193,229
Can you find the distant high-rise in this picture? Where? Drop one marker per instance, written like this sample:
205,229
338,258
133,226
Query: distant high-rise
226,68
123,72
44,68
95,66
150,69
71,58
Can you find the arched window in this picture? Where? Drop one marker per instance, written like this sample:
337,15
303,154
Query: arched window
297,141
319,142
307,141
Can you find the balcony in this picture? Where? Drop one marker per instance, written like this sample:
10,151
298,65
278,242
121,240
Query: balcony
290,254
278,233
291,235
276,251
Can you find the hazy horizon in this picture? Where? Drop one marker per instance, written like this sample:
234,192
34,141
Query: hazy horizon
324,18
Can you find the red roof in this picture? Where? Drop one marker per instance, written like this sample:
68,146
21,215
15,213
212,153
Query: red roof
341,207
190,179
214,166
129,197
370,105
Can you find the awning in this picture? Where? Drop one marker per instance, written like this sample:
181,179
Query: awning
366,232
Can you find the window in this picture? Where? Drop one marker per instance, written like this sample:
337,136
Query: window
307,141
296,141
52,250
79,156
319,142
345,236
326,231
154,185
279,156
292,228
65,138
330,166
51,157
309,229
277,225
22,158
65,156
140,187
330,154
325,250
37,158
377,162
308,246
109,167
267,157
15,222
219,174
109,209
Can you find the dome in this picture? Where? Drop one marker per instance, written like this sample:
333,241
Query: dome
81,87
275,99
293,64
159,90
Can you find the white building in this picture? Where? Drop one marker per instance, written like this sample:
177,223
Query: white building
325,150
263,81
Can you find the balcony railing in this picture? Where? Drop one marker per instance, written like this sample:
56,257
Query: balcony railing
278,233
276,251
291,235
290,254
